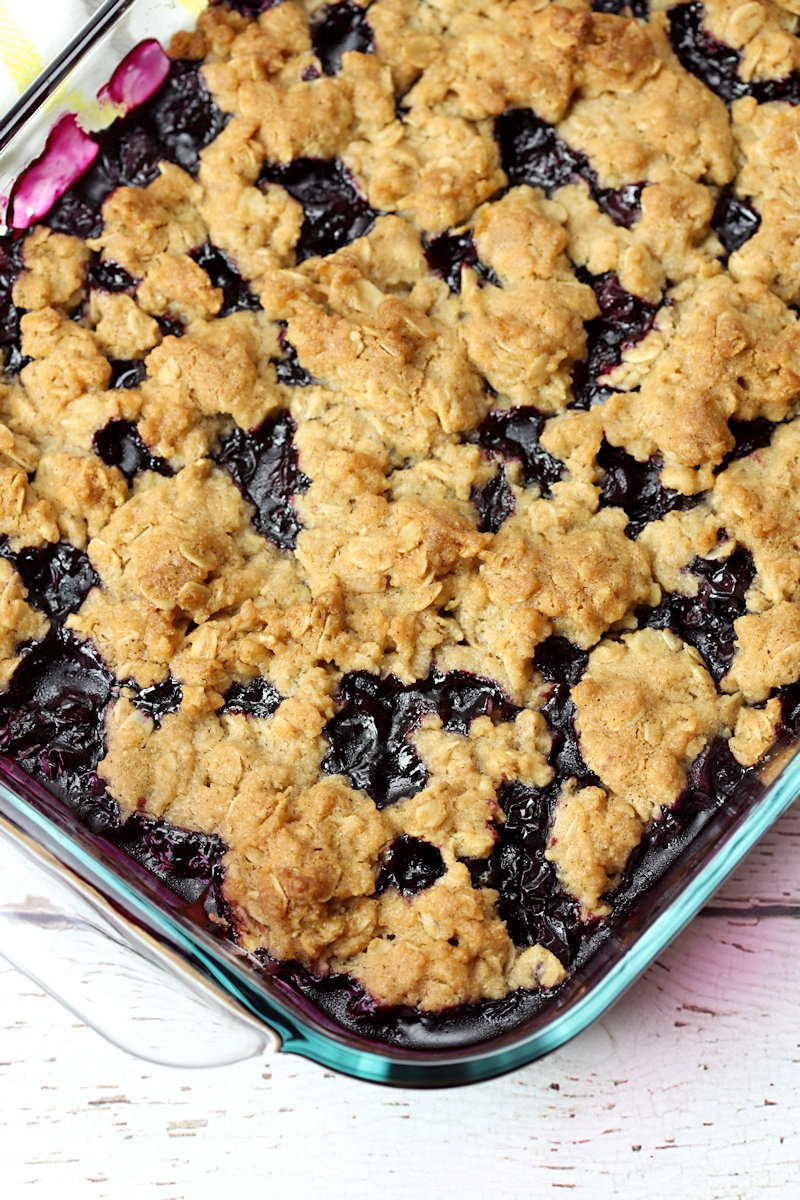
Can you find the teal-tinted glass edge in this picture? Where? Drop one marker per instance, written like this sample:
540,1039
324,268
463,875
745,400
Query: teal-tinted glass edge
473,1064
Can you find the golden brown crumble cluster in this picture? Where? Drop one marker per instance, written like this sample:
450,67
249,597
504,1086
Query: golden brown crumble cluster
393,573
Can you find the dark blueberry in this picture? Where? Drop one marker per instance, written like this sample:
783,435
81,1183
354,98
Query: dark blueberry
263,465
158,699
126,374
494,501
410,865
249,8
256,698
189,863
170,326
57,575
368,736
637,8
636,488
717,64
750,436
624,204
565,755
449,252
119,445
559,661
706,619
534,906
52,723
713,780
790,709
734,221
174,124
532,152
221,271
10,267
338,28
513,433
108,276
334,211
624,320
308,73
288,368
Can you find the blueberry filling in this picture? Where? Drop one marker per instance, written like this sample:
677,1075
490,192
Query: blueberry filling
717,64
337,29
706,620
188,863
51,723
449,252
369,734
534,906
174,124
10,267
560,661
119,445
263,465
749,436
637,8
288,368
158,699
334,211
108,276
637,489
237,296
256,698
532,152
734,221
410,865
624,320
248,8
126,373
494,501
513,433
57,575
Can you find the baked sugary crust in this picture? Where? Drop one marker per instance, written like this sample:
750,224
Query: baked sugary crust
391,561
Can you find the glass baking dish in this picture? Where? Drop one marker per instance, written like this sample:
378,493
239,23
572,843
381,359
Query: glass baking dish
122,951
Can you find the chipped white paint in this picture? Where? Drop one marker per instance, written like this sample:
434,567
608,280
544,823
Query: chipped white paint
690,1087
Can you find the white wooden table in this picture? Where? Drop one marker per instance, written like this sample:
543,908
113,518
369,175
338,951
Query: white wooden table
689,1087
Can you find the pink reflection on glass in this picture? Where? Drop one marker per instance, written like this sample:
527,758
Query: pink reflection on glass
67,153
137,77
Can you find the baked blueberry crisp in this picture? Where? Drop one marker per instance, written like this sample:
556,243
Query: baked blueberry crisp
400,479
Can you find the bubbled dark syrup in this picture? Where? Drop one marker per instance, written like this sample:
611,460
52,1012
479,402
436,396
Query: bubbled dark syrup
57,575
532,152
734,221
449,252
237,296
636,488
288,368
51,723
119,445
256,698
494,501
174,124
263,465
410,865
334,211
157,700
127,373
188,863
623,321
368,736
717,64
513,433
10,267
706,620
337,29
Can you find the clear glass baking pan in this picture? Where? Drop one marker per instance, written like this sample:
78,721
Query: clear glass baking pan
123,952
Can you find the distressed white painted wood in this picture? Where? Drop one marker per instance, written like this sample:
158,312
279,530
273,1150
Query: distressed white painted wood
689,1087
